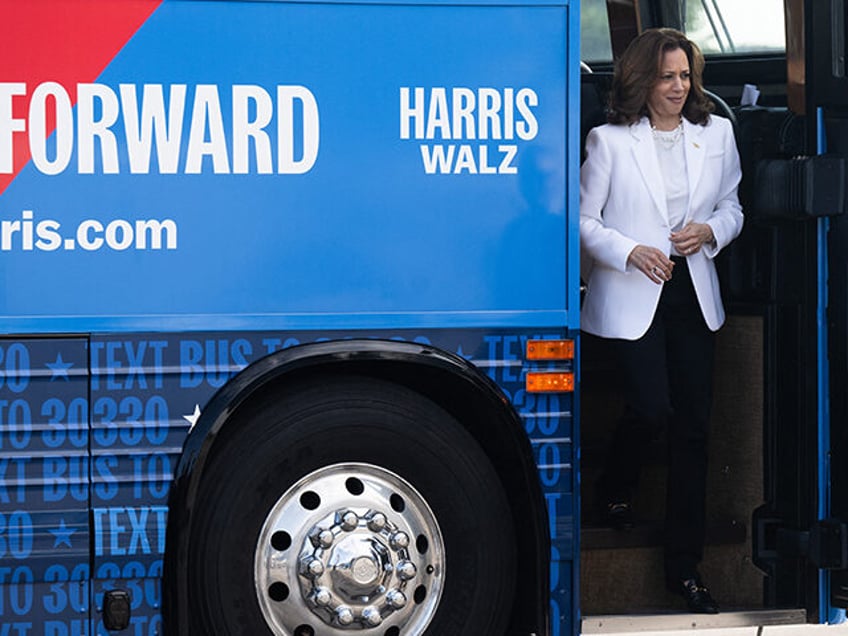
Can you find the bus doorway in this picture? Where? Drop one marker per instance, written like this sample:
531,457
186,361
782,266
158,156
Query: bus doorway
775,546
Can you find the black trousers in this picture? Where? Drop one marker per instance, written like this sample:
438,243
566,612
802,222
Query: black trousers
667,385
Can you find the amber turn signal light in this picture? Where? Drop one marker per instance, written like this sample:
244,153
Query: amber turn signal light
550,350
549,382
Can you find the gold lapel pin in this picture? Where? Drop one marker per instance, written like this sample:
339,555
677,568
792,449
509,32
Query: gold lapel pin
696,145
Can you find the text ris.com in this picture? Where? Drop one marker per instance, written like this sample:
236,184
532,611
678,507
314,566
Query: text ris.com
46,235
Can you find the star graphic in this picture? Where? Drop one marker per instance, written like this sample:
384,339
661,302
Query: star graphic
461,353
63,534
59,368
192,419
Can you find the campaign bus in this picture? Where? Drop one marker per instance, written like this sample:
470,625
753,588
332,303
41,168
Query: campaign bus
290,322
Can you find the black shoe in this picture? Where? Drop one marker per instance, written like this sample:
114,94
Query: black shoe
619,515
697,597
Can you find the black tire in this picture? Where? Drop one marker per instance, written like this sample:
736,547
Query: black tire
272,445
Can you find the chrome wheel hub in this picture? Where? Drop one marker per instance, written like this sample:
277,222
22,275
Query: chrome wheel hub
349,547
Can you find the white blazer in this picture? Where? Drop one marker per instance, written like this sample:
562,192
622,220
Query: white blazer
623,204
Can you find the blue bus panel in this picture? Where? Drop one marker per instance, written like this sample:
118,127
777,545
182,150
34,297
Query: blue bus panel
378,164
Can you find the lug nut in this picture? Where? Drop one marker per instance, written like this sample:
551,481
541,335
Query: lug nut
315,568
371,615
325,539
406,570
349,521
344,615
377,522
321,597
399,541
322,538
396,599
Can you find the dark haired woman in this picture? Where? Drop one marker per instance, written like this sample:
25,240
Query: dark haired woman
658,201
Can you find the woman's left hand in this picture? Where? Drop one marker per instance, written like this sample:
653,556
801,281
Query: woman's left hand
692,238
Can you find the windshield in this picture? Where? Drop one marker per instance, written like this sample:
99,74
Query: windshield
734,26
720,27
594,31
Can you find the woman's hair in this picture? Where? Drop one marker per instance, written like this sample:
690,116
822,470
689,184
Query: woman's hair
638,70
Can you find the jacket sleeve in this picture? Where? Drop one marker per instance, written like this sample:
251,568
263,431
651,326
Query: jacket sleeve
726,220
599,242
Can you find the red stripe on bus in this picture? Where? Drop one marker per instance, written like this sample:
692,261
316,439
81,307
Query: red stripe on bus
64,41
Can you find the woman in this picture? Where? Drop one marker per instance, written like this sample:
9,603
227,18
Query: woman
658,201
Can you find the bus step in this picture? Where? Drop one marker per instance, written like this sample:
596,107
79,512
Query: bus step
642,623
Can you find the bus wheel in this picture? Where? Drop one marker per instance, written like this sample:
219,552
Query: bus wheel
350,505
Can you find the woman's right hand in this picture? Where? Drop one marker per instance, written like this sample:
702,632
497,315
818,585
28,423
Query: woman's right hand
652,263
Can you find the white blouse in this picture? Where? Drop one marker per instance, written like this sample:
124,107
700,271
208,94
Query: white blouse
672,159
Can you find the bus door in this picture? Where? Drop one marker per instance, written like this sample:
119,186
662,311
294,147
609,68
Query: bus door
794,263
778,430
827,96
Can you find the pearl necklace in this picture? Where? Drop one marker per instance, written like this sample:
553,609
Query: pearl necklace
668,138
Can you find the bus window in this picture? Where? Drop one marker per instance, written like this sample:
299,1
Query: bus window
594,31
725,27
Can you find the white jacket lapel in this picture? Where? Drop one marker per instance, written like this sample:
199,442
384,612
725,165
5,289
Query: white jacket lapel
696,150
645,156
